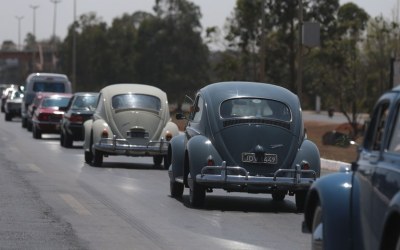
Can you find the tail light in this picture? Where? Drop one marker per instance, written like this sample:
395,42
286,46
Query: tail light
210,161
76,119
305,165
168,136
104,134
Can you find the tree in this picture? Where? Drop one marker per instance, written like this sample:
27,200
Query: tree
170,50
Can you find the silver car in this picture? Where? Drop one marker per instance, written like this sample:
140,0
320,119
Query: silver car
132,120
243,137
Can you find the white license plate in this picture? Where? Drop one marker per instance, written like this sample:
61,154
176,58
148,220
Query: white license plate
266,158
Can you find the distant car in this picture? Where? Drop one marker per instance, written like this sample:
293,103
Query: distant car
48,114
42,82
6,94
243,137
132,120
12,107
80,109
359,207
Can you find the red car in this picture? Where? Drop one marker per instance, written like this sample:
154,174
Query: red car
48,114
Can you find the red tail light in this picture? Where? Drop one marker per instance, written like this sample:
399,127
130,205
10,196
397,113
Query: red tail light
104,134
305,165
76,119
168,136
210,161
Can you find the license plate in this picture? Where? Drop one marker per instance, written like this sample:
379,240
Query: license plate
266,158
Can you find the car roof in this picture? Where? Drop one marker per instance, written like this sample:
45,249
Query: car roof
133,88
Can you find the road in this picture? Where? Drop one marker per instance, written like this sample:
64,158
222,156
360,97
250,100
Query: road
51,199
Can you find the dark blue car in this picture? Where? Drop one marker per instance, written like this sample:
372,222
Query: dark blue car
359,208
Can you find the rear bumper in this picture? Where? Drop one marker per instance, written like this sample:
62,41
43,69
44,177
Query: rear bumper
243,180
123,147
47,127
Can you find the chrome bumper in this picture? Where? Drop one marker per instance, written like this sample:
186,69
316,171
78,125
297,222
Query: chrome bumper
123,147
244,179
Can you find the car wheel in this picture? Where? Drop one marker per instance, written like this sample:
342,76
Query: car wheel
97,158
300,200
23,122
176,189
29,126
167,162
88,157
67,141
36,133
62,139
157,160
278,195
7,117
197,195
317,229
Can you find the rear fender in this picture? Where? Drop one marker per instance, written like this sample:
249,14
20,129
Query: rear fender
176,152
98,127
199,149
309,152
171,128
333,192
87,128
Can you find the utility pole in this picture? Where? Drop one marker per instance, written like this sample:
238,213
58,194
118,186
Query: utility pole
74,51
34,7
55,16
300,54
262,46
19,18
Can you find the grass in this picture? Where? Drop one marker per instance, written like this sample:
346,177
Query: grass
315,131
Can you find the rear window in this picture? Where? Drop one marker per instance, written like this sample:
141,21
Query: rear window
85,102
136,101
55,102
58,87
255,107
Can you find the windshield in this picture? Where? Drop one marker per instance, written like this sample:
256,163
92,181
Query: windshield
85,102
136,101
58,87
55,102
255,107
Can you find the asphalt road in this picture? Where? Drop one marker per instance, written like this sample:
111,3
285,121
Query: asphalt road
51,199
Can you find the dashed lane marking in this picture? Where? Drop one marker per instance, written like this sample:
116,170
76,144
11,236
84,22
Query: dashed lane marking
75,204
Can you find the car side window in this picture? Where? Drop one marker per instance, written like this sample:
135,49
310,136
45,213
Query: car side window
380,119
394,144
197,110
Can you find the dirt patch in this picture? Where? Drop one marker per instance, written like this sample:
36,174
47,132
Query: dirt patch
315,131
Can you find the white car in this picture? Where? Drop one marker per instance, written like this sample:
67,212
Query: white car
132,120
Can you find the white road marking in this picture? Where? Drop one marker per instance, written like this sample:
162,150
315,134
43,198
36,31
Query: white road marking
35,168
75,205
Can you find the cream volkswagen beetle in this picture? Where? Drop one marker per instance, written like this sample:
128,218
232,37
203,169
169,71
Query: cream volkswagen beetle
132,120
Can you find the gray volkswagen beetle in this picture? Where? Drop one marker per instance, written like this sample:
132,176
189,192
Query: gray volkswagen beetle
132,120
243,137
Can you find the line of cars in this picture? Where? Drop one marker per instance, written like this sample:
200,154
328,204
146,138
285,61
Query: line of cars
250,137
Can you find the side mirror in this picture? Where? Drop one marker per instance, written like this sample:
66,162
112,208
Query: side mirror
180,116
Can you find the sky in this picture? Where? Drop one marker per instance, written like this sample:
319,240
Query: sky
214,13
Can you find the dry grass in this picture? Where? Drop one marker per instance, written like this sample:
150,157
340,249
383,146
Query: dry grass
315,131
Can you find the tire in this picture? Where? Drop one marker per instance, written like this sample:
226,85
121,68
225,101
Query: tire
317,242
23,122
97,158
36,133
197,195
176,189
88,157
279,195
68,141
62,139
29,126
300,200
7,117
157,160
167,162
